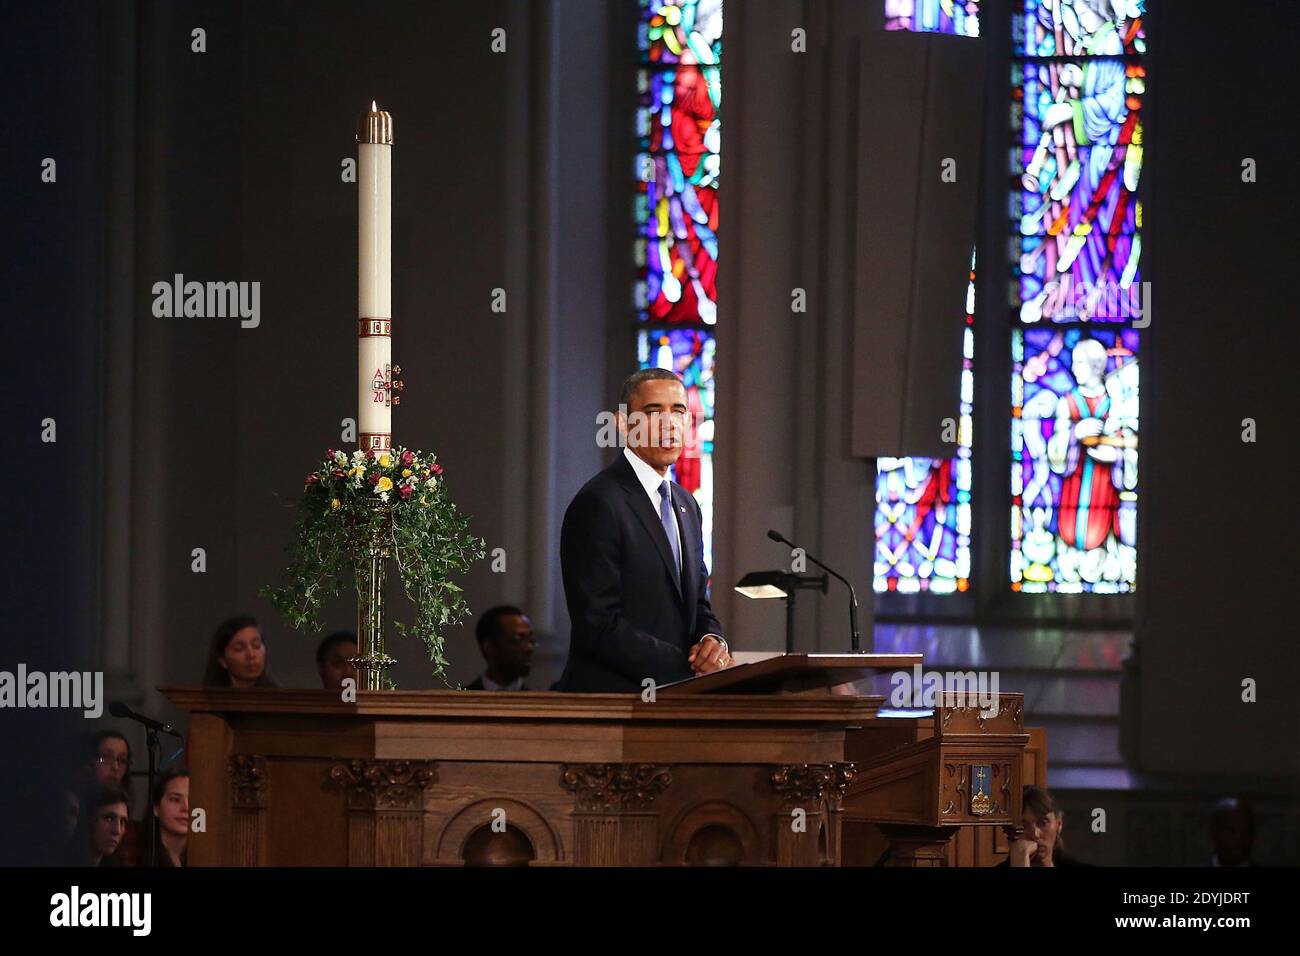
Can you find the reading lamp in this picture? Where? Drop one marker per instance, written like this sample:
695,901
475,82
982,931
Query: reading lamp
778,584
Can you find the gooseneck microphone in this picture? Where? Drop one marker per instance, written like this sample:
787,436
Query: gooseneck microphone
853,597
119,709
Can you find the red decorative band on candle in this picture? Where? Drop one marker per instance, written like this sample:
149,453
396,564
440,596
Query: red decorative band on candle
375,441
370,328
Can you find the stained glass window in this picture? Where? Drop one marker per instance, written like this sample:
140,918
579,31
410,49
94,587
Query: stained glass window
1074,433
923,505
934,16
1077,86
676,246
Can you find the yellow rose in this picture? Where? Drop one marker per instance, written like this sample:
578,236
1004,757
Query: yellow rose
335,504
406,473
385,461
385,484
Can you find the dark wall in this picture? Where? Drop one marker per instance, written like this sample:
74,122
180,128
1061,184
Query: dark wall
245,185
1217,556
51,288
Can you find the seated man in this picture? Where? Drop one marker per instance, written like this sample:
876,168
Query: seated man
505,639
332,659
1232,828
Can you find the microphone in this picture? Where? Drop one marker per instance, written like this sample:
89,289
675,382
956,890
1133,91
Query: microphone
119,709
853,597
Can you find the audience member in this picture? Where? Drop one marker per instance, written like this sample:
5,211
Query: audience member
1040,844
106,759
101,829
237,657
170,807
1232,828
505,639
106,762
332,659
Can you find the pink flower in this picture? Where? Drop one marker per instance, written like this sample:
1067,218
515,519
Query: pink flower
374,478
407,457
370,454
312,479
406,492
338,472
437,468
329,453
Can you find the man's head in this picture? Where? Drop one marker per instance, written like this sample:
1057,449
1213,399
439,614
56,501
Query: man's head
1233,831
505,638
653,417
1042,820
332,659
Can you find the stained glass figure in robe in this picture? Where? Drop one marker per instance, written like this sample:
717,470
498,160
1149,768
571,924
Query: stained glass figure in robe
1074,450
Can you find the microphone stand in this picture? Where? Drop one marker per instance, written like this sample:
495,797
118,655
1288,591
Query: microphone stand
853,596
154,747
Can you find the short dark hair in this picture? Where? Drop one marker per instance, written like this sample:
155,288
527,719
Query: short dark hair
338,637
637,379
488,627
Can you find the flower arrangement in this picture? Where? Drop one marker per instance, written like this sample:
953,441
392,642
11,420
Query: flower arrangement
391,503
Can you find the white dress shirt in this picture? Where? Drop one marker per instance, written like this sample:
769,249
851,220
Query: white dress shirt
650,481
490,684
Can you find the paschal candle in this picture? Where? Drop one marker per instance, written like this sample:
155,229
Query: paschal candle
375,280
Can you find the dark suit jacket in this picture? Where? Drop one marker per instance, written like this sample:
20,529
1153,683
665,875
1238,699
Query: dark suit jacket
629,619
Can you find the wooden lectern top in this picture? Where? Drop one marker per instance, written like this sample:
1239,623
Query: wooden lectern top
792,674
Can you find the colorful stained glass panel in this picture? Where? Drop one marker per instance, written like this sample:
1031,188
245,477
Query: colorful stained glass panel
1074,447
678,161
1046,28
960,17
1077,165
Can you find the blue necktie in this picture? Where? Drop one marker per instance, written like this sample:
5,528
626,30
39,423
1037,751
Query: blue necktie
670,529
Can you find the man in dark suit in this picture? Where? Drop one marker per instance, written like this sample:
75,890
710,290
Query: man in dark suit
505,639
632,557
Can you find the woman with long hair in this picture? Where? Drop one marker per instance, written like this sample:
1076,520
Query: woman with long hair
1040,843
169,806
237,655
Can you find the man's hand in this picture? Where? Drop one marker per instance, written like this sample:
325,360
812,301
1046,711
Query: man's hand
709,655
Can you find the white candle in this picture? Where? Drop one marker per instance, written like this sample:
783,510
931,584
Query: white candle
374,280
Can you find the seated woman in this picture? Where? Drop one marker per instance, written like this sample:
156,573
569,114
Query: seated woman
237,656
106,762
102,827
1040,843
170,806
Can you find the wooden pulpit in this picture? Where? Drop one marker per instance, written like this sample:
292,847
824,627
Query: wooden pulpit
761,764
